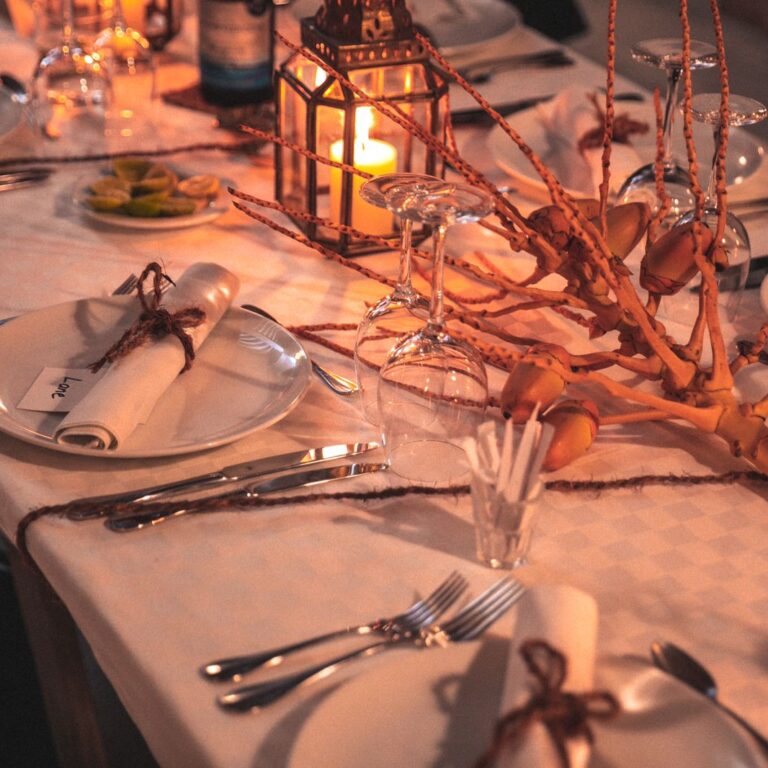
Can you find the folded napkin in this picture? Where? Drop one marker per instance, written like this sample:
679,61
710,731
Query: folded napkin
567,118
567,619
125,396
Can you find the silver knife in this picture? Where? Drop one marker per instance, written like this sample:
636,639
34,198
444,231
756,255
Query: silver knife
22,178
130,521
232,474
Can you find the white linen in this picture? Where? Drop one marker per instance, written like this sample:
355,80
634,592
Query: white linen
130,389
567,118
566,618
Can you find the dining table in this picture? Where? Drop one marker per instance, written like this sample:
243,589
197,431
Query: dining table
685,562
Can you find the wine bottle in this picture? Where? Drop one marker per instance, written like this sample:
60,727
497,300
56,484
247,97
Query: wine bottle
236,51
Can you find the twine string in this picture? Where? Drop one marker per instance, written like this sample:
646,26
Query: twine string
155,322
565,715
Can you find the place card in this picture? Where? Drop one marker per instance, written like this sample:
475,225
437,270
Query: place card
58,390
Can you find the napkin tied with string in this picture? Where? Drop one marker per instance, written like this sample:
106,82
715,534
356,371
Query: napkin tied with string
573,124
128,392
565,618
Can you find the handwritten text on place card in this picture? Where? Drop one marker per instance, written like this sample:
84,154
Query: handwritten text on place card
58,390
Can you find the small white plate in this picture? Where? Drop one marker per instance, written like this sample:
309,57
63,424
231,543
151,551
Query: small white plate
248,374
745,154
464,28
215,208
437,709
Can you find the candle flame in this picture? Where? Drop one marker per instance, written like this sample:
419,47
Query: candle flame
363,124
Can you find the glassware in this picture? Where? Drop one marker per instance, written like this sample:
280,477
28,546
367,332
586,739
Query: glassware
735,240
132,69
404,310
667,54
503,528
71,86
433,389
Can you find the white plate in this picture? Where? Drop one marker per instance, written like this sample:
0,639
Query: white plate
431,709
212,211
764,294
465,27
10,113
745,154
248,374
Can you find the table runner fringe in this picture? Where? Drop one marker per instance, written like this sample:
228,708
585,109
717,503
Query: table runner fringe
236,500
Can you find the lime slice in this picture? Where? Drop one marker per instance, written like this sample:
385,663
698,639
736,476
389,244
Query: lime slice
108,202
147,206
110,185
177,206
204,185
156,179
131,168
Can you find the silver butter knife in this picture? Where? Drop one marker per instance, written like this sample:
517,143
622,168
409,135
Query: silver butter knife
135,521
232,474
23,177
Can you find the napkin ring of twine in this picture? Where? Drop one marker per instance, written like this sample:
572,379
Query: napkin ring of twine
565,715
155,322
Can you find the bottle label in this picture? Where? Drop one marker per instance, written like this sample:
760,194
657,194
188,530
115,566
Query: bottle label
232,37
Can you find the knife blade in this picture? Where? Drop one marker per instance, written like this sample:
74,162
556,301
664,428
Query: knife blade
125,522
231,474
478,116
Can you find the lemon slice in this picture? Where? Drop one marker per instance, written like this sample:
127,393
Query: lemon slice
131,168
204,185
109,186
147,206
108,202
177,206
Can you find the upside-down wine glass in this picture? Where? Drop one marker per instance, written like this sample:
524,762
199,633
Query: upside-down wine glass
71,86
433,389
640,186
131,66
735,241
404,310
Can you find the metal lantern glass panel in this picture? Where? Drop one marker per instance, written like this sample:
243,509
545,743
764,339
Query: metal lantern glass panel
323,115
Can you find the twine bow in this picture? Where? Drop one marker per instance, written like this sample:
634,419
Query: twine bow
564,715
155,322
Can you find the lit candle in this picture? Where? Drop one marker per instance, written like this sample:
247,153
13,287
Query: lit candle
372,156
134,10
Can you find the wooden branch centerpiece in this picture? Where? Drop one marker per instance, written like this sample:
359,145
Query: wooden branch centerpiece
586,242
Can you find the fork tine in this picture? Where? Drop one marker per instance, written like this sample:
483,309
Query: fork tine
126,286
432,610
417,608
492,613
478,608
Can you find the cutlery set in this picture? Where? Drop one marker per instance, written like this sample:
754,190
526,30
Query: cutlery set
417,627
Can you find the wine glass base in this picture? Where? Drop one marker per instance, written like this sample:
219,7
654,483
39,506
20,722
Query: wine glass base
429,461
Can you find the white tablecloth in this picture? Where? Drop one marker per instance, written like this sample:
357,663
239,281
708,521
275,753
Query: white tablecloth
688,563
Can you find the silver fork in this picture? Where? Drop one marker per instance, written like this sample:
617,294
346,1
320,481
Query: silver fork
419,615
337,383
466,625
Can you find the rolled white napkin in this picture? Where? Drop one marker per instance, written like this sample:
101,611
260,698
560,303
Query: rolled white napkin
126,394
567,619
566,118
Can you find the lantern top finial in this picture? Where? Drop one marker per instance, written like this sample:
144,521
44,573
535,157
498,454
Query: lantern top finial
364,21
355,33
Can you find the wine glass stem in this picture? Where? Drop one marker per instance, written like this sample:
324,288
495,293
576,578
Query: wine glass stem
118,17
673,84
436,310
404,288
68,23
711,198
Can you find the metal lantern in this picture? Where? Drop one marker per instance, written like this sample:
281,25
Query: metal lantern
372,44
